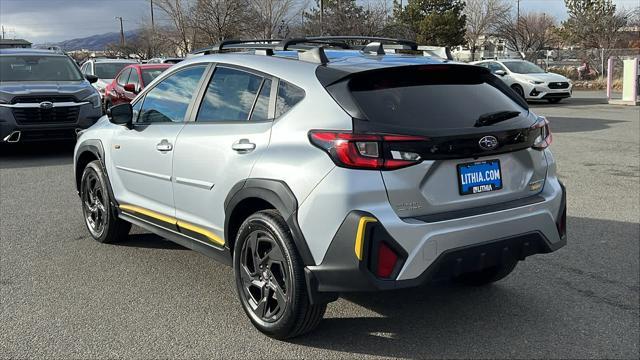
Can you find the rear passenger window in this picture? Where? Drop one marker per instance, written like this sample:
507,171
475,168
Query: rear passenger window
261,109
230,96
169,100
288,96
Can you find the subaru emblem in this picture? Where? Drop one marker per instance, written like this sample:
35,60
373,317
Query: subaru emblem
46,105
488,142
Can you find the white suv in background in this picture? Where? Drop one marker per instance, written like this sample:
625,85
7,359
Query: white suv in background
105,69
529,80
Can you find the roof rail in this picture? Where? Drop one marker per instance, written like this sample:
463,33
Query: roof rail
312,46
229,44
340,41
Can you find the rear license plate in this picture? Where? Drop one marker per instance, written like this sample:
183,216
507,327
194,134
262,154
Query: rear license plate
478,177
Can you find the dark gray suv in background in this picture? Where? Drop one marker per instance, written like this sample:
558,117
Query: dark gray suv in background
44,96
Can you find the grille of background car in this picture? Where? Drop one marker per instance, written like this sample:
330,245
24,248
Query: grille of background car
36,115
39,99
558,85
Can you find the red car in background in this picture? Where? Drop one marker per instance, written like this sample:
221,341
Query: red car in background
130,81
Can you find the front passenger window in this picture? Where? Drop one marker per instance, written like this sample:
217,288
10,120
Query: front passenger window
169,100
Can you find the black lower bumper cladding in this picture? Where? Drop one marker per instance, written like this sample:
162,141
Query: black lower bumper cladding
341,271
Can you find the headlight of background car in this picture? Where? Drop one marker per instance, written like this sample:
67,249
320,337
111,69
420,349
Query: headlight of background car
536,82
94,99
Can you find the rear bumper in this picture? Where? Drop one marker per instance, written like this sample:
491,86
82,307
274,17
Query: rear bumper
457,246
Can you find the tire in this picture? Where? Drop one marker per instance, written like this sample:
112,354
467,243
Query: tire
270,278
518,90
486,276
554,101
107,105
99,214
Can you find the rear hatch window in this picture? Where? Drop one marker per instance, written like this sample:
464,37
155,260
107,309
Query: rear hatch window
429,97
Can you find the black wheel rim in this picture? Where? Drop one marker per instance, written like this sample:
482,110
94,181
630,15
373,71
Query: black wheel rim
265,276
94,204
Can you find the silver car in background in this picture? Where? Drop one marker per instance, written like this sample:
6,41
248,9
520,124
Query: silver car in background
315,171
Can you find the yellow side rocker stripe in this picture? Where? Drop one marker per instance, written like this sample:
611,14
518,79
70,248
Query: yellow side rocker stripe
173,221
211,236
149,213
362,225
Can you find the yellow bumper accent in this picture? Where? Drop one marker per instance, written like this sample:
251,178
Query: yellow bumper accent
362,225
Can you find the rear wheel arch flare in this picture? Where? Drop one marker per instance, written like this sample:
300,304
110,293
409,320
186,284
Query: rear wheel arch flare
240,212
259,193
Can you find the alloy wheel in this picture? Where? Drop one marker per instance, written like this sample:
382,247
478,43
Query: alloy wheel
94,204
266,279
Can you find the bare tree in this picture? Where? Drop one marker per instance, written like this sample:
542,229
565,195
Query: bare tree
529,34
217,20
178,12
483,17
271,18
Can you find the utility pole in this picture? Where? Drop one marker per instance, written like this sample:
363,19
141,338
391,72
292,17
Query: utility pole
152,41
153,25
321,17
518,13
121,31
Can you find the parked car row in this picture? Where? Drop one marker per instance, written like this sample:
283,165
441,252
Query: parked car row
45,96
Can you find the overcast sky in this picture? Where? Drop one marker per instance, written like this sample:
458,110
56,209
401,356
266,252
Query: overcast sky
42,21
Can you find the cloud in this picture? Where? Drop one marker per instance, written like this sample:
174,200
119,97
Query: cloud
42,21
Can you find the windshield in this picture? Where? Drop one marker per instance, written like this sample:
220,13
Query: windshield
523,67
38,68
149,74
109,70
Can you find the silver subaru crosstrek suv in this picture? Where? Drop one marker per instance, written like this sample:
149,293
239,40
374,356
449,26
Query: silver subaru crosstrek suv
315,167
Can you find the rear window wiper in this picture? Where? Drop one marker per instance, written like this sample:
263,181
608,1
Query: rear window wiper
495,117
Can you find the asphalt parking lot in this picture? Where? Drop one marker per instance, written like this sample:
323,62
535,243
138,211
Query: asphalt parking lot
64,295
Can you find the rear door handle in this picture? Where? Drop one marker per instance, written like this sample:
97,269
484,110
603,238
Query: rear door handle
164,145
243,146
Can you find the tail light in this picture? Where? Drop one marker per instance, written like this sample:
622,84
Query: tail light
387,259
365,151
542,132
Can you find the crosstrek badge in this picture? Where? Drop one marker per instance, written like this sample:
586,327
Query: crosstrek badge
479,177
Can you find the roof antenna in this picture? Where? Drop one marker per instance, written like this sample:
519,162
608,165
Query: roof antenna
374,48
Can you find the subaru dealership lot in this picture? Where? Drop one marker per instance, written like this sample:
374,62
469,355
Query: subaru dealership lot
65,295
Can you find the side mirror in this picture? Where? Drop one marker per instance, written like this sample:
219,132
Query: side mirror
500,72
92,78
132,88
121,114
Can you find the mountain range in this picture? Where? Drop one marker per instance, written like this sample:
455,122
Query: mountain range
94,42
